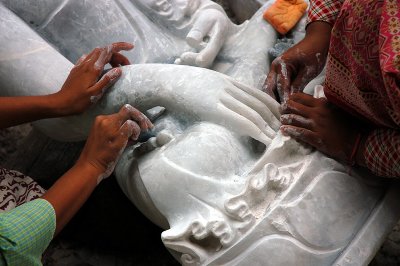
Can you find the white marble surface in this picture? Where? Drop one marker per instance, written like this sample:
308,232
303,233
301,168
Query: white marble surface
219,178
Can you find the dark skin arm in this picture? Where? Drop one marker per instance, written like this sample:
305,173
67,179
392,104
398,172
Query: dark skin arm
323,126
81,89
300,64
306,119
106,141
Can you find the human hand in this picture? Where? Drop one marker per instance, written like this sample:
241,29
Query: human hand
296,67
83,86
109,136
319,124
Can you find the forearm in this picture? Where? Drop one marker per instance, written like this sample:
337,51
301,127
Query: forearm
84,85
106,141
71,191
321,18
18,110
315,45
319,32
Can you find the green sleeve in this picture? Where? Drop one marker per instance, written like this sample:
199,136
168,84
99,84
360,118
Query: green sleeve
26,231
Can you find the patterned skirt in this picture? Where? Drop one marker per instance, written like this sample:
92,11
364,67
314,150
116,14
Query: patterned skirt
17,189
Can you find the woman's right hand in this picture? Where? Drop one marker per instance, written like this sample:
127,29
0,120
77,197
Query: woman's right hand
86,83
300,64
108,138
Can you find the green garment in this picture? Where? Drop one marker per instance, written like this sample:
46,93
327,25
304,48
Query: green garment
25,233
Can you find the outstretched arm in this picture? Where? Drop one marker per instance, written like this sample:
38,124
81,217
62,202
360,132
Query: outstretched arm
81,89
26,231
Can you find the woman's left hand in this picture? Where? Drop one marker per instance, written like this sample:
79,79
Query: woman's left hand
320,124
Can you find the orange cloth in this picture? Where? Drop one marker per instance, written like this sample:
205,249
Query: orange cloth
284,14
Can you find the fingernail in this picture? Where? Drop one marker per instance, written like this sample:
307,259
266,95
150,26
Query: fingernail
285,131
114,73
128,107
290,131
284,118
127,44
123,45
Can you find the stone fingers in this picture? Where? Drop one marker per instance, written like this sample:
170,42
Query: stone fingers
255,104
246,120
271,104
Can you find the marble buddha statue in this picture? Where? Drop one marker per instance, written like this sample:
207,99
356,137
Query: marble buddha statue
222,181
217,175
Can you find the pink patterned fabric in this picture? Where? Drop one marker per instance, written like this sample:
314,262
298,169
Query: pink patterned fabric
363,75
17,189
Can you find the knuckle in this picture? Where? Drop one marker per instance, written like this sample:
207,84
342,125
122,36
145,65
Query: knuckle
109,48
140,117
84,67
104,124
97,69
99,118
76,68
289,104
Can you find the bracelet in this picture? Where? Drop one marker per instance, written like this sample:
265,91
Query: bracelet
352,159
